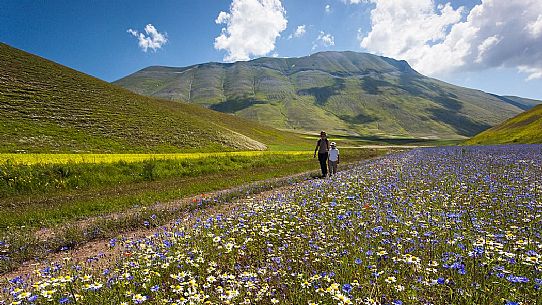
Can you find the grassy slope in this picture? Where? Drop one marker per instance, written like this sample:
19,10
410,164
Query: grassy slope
343,92
46,107
524,128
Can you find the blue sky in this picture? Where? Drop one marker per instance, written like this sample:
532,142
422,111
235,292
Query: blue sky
495,46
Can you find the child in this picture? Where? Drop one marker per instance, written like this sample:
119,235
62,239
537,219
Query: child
333,159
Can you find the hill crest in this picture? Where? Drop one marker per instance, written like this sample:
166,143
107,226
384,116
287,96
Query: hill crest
47,107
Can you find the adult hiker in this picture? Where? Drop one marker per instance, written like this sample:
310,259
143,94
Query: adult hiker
322,147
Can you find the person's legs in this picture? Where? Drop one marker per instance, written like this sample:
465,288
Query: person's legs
332,167
322,157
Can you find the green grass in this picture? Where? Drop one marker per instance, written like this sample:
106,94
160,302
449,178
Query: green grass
45,178
59,196
522,129
48,108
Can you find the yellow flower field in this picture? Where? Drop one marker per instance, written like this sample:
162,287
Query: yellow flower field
29,159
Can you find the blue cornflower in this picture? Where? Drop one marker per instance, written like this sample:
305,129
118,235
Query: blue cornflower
517,279
16,280
397,302
155,288
64,300
347,288
378,229
358,261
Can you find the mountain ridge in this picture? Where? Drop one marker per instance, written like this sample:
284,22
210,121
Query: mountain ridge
344,92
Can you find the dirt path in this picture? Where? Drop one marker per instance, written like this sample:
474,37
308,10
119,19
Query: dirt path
99,251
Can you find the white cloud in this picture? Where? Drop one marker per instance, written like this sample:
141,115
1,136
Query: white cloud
533,72
299,32
152,40
437,39
327,8
535,28
485,47
323,39
251,28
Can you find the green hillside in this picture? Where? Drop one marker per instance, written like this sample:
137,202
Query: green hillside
524,128
344,92
46,107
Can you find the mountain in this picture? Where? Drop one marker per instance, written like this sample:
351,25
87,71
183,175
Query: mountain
520,102
343,92
524,128
47,107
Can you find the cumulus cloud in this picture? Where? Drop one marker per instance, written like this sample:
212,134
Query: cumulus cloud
437,39
323,39
152,39
327,8
299,32
251,28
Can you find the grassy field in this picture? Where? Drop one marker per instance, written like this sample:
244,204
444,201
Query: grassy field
57,197
453,225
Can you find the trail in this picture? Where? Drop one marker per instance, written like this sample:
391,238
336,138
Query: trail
101,249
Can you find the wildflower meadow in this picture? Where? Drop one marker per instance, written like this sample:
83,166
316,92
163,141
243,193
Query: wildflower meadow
449,225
